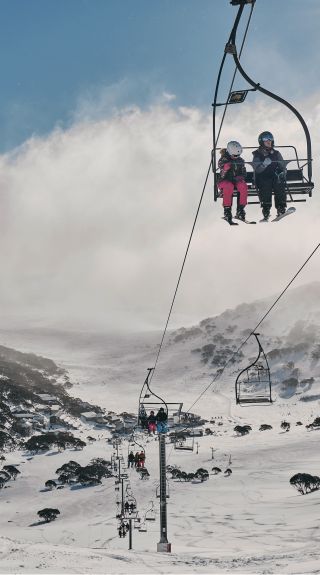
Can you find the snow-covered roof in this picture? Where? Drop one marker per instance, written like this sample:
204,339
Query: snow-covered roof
46,397
55,406
89,415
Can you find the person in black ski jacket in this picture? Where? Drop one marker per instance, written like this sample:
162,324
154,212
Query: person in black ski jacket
143,418
162,419
131,459
270,175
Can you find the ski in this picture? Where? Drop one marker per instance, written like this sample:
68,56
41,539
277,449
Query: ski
264,221
244,221
286,213
232,223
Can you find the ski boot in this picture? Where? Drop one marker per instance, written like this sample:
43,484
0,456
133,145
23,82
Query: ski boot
281,211
241,214
228,216
265,213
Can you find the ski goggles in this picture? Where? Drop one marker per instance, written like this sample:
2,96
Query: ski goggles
267,138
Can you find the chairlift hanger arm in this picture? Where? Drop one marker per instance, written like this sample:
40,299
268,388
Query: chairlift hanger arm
146,385
238,384
241,4
260,349
231,48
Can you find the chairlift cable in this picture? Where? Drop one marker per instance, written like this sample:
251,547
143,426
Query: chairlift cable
180,274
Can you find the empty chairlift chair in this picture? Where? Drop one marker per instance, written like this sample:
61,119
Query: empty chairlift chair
253,384
143,527
150,514
184,443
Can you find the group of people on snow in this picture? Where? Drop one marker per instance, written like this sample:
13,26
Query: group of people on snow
136,459
270,176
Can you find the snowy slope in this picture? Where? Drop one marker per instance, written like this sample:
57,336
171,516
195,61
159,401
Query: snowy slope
251,522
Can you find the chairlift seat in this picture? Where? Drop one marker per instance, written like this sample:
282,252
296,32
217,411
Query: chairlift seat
183,447
296,183
254,400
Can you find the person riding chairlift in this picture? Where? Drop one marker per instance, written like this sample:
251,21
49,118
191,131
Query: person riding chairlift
162,419
232,176
270,175
152,423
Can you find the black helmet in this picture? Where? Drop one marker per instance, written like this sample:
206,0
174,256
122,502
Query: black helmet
265,136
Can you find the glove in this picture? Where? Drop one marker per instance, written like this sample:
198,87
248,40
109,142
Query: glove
266,162
281,176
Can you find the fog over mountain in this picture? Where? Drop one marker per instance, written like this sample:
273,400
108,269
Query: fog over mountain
190,357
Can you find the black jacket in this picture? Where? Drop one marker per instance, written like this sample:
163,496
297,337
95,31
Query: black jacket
277,165
161,415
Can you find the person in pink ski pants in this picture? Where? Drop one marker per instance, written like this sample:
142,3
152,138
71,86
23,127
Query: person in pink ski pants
232,176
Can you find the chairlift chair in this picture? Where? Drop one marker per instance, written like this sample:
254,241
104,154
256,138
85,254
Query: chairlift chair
131,500
143,527
299,182
184,444
253,384
150,514
146,406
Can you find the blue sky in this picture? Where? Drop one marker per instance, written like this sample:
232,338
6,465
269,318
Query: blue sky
55,53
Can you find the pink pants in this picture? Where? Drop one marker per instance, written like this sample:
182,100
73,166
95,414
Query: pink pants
152,427
227,191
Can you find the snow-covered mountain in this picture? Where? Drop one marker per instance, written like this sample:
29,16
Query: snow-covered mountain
290,336
99,363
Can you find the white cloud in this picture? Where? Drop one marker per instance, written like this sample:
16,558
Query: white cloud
95,221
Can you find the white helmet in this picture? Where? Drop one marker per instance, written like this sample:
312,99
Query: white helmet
234,149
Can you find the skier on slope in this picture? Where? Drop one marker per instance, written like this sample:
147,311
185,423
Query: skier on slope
270,175
232,176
